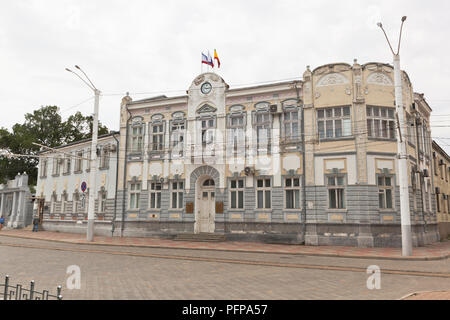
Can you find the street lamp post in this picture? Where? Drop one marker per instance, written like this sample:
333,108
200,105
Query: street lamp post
401,147
93,166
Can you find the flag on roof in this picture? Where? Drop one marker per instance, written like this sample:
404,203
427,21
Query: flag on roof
216,57
206,59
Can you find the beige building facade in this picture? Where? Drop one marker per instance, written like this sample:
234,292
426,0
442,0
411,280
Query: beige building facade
311,161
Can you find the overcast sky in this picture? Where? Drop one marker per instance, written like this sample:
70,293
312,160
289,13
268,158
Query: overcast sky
155,46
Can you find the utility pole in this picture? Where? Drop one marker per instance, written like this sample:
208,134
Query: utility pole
93,167
401,149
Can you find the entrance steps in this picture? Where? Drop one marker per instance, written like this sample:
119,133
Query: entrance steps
201,237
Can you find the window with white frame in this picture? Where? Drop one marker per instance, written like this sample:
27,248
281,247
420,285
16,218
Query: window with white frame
292,192
137,138
67,164
177,131
177,194
207,130
79,161
53,204
263,193
44,163
380,122
336,187
262,123
75,202
385,192
155,195
236,134
63,203
237,193
104,160
102,201
291,120
56,163
135,193
157,136
334,122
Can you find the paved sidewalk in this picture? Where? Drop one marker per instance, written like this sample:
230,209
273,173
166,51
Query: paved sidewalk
428,295
435,251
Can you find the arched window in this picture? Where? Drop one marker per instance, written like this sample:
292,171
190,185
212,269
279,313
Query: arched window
209,182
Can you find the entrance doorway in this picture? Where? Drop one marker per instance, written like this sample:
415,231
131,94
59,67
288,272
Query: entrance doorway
206,205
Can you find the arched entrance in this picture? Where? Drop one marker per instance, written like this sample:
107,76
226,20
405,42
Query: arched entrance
205,180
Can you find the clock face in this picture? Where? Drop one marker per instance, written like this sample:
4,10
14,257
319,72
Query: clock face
206,88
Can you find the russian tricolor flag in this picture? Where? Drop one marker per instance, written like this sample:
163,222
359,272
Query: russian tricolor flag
207,59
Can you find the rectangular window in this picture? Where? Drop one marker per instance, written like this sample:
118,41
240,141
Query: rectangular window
157,137
177,194
207,130
104,161
380,122
292,193
334,122
102,202
236,135
237,194
135,192
263,193
263,125
177,138
385,192
44,162
291,125
137,137
56,164
336,188
79,161
155,195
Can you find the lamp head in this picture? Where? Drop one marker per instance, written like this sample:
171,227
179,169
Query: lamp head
403,18
77,67
67,69
380,25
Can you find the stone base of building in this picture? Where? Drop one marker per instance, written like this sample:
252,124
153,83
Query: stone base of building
444,230
368,236
317,234
102,228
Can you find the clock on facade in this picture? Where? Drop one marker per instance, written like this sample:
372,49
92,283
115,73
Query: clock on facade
206,88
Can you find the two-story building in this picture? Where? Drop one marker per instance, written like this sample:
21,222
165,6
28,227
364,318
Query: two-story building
61,175
311,161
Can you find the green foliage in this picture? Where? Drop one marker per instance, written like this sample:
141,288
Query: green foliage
43,126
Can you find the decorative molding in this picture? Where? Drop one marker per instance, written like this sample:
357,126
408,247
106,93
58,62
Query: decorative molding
332,79
379,79
157,117
199,80
262,106
236,108
206,108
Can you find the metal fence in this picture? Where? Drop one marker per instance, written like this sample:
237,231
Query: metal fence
18,292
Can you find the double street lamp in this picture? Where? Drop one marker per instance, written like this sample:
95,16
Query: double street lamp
401,147
93,161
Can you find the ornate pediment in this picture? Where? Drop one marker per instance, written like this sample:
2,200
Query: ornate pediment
380,79
332,79
206,108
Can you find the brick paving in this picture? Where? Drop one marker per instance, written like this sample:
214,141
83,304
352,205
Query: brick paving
439,250
108,276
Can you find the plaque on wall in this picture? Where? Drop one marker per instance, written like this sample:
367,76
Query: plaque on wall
189,207
219,207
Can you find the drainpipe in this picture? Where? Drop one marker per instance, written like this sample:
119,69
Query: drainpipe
117,177
299,101
125,171
422,178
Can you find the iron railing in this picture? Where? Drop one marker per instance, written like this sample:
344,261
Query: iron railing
18,292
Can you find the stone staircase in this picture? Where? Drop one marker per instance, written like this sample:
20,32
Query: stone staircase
200,237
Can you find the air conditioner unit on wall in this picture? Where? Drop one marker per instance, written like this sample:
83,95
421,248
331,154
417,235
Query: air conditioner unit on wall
249,171
438,191
273,108
425,173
